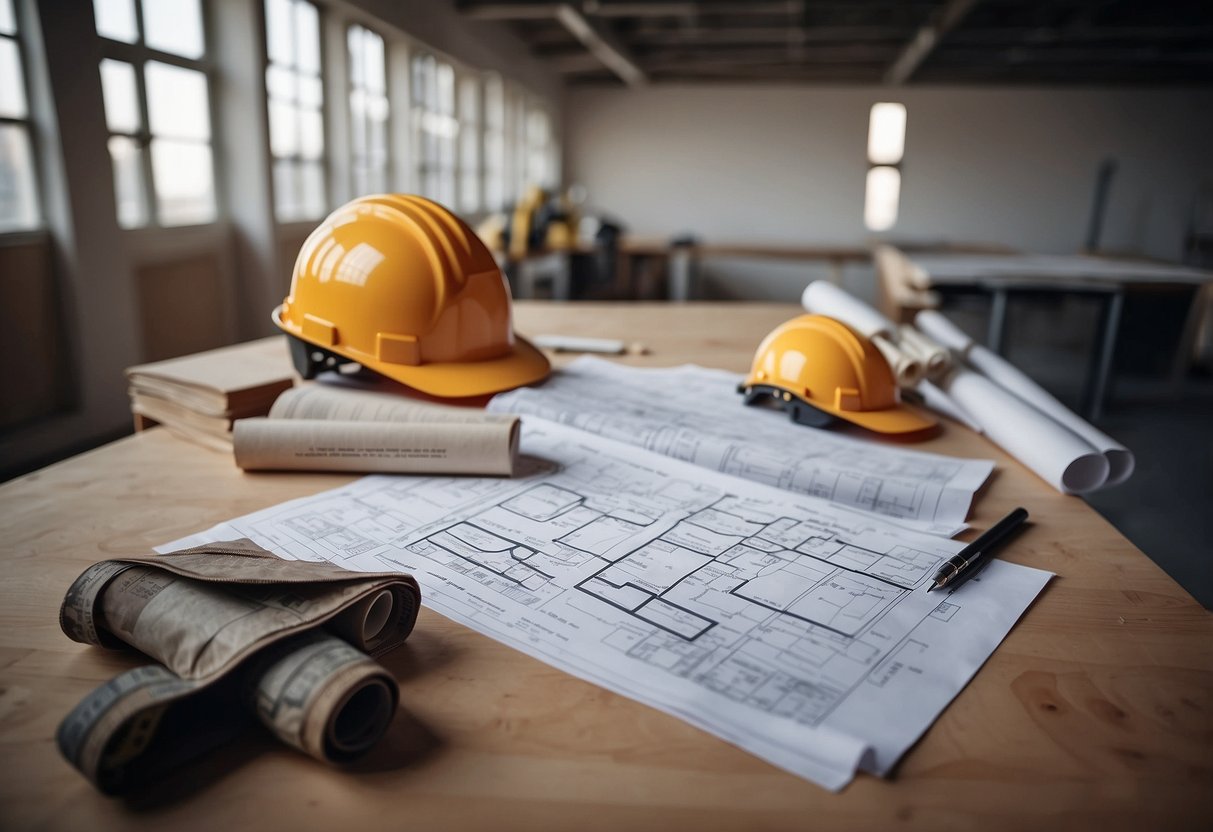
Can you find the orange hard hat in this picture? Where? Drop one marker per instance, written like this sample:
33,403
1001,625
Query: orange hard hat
401,286
820,362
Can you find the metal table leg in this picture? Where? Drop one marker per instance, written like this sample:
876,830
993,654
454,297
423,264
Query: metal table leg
998,321
1099,374
681,273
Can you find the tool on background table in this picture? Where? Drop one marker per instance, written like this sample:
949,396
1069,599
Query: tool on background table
819,369
578,343
401,286
970,560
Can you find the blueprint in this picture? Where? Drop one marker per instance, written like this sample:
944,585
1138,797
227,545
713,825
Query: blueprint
695,414
794,628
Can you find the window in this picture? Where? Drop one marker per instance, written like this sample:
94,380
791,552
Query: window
435,128
515,144
296,100
494,143
157,108
538,147
886,145
18,184
470,169
368,112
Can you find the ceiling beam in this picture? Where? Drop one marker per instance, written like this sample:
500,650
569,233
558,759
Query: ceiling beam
926,39
596,37
602,44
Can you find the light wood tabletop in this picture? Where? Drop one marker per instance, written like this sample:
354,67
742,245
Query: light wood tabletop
1096,712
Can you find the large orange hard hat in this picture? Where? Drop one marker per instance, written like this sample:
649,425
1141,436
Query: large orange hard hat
403,287
822,363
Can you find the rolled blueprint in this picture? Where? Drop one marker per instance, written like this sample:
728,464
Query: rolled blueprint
322,401
1056,454
242,634
824,298
934,357
480,448
1002,372
939,401
318,694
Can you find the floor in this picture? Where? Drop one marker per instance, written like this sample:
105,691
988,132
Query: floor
1166,507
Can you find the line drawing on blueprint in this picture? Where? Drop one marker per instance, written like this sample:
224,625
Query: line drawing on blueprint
784,620
678,412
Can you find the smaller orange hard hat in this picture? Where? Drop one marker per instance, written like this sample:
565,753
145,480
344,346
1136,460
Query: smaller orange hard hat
821,363
403,287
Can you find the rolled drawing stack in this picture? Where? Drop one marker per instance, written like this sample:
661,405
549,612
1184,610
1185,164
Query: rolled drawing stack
975,386
294,655
319,427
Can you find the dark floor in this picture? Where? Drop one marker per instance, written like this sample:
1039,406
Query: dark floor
1166,507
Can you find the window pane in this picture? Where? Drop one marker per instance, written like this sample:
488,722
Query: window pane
284,129
307,38
8,22
311,91
886,133
880,201
311,134
121,100
280,83
286,190
116,19
174,26
279,33
374,69
12,90
18,192
177,102
311,189
128,181
184,182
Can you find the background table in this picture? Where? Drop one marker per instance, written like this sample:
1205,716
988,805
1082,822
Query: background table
1108,278
1096,712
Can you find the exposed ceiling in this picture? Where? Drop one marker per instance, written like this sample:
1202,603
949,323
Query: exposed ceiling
867,41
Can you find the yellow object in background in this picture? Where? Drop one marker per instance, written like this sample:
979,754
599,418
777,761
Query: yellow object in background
403,287
818,361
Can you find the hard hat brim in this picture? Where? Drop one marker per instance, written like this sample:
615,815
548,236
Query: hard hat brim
894,420
523,364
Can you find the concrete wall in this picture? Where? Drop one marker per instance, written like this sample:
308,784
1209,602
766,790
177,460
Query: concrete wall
787,164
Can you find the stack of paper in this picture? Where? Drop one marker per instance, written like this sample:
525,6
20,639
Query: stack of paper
199,396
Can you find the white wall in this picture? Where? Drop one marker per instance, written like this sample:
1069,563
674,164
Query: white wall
787,164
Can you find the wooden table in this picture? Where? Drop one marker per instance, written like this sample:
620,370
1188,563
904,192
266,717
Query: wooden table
1110,279
1096,712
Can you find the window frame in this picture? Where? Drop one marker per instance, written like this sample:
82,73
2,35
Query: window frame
26,124
389,161
421,164
325,160
138,54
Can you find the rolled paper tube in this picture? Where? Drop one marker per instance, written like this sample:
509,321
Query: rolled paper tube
1056,454
320,695
939,401
907,370
1120,459
934,356
942,331
824,298
372,621
1005,374
485,449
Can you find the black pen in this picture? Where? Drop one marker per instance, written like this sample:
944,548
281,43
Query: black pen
968,562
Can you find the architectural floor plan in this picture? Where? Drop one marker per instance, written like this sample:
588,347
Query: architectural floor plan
791,627
695,414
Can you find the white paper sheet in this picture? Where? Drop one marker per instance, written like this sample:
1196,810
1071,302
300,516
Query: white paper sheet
795,629
1006,375
696,415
